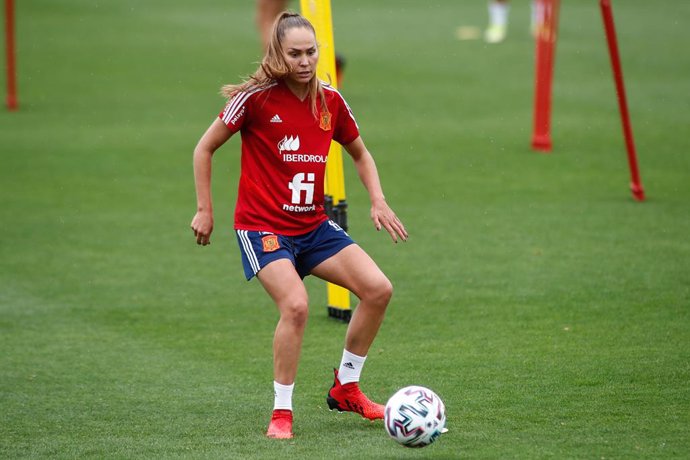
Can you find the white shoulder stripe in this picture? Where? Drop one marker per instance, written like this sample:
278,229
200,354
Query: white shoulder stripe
234,105
329,87
238,100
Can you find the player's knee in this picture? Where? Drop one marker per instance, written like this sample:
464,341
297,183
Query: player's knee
296,311
380,293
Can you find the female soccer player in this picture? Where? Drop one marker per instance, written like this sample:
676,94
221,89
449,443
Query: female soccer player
287,118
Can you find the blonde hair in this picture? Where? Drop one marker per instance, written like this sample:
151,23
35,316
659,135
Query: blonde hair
273,66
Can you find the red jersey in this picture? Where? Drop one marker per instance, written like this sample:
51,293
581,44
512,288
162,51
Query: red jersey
284,153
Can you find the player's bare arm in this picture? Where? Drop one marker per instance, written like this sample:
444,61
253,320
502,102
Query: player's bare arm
213,138
381,214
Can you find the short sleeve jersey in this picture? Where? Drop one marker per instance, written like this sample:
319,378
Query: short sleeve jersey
284,153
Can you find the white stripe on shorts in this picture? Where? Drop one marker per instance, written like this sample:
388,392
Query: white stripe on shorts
249,250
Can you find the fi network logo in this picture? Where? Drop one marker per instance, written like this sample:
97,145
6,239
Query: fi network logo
302,183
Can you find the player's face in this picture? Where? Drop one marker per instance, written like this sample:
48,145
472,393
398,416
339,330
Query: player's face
301,54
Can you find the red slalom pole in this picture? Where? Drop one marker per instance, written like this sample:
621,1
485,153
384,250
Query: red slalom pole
607,15
547,25
12,103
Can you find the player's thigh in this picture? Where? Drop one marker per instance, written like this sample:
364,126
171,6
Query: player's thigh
353,269
282,282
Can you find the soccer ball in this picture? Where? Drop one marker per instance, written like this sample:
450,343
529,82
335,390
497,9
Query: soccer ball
415,416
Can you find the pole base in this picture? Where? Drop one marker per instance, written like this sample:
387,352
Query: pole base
637,191
12,104
541,143
342,314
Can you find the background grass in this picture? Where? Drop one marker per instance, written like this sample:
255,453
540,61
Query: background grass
547,308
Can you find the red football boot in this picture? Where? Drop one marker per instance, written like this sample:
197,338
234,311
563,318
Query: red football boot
281,424
349,398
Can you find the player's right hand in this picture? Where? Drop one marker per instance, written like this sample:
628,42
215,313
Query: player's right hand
202,226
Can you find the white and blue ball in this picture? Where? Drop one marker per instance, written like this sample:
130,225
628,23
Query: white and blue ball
415,416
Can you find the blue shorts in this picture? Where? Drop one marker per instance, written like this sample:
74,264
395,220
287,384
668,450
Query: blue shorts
304,251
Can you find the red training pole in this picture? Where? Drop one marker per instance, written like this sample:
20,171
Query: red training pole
12,103
607,15
547,25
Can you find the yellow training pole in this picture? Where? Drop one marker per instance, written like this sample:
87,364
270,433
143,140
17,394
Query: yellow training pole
318,12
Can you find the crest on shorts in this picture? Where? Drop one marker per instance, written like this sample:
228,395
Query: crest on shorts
325,121
270,243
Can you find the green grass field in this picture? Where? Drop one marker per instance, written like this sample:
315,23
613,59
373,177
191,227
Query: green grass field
549,310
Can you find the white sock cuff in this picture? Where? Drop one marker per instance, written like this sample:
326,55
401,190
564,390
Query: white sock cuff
353,357
350,367
283,395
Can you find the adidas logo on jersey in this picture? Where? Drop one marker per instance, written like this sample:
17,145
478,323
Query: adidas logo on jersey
276,119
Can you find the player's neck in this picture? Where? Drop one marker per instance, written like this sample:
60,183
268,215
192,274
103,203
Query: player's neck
298,89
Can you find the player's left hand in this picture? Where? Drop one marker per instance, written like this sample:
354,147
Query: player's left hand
383,216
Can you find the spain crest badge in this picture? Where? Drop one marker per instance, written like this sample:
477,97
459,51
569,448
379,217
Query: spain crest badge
270,243
325,121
